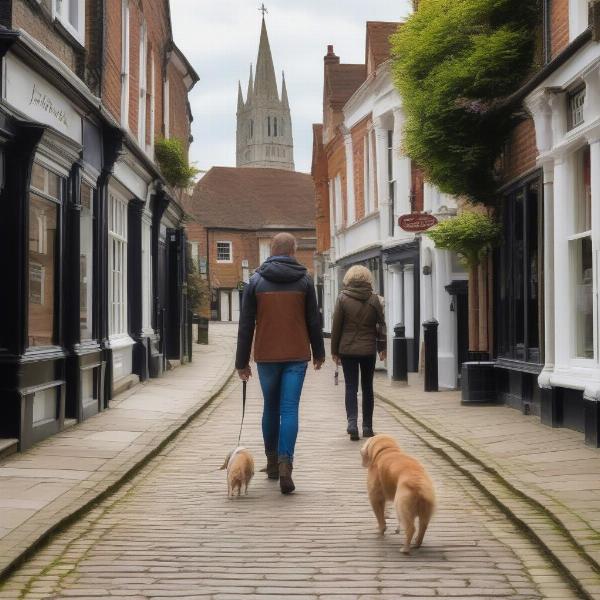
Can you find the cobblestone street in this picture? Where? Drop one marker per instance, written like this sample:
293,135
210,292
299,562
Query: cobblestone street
171,532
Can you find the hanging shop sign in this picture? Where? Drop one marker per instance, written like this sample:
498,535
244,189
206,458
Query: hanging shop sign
416,222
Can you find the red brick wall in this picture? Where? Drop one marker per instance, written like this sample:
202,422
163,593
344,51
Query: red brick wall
157,23
559,25
245,245
521,152
359,132
37,21
336,165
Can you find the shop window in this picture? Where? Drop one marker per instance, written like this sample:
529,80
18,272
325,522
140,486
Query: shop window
71,14
117,251
518,275
224,252
580,249
576,100
86,264
44,203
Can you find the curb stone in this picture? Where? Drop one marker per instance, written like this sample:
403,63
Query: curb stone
581,569
81,505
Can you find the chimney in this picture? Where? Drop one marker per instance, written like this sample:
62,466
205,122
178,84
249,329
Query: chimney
331,58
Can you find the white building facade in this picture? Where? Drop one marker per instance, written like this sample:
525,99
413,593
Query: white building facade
566,111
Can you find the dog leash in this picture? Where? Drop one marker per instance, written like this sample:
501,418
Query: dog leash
244,386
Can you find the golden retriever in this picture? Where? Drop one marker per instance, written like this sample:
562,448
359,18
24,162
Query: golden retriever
398,477
240,470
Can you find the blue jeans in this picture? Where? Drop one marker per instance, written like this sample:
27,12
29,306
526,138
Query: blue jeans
281,385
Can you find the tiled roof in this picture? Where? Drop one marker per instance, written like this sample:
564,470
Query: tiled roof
253,198
342,81
378,41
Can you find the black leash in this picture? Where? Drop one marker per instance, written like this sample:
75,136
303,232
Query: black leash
244,386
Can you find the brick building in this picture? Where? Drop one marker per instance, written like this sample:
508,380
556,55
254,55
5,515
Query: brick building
363,184
235,213
96,298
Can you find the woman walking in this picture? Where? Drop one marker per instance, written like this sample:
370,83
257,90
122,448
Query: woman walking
357,334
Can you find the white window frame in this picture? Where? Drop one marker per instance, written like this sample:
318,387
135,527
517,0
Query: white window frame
117,254
152,104
576,360
143,83
125,61
167,107
61,10
223,261
338,202
264,249
578,17
576,108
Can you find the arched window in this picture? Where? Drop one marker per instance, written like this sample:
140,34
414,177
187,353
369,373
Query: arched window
281,127
275,126
269,126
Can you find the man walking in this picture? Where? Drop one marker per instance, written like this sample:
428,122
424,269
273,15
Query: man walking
280,312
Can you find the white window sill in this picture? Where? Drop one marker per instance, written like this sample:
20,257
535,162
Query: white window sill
71,32
225,262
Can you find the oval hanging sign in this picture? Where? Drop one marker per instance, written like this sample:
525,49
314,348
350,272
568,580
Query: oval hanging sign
416,222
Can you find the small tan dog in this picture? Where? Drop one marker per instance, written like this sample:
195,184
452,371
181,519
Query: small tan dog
240,470
398,477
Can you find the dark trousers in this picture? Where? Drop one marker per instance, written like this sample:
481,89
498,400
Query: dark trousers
351,366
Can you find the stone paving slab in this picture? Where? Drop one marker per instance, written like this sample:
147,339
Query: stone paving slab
171,532
551,466
45,486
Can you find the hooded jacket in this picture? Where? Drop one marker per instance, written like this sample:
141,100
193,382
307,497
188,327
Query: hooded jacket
358,327
280,313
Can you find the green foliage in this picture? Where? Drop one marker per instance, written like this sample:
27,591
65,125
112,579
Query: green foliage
453,61
471,235
173,164
198,289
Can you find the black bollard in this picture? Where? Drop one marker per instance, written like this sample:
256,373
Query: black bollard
431,355
400,358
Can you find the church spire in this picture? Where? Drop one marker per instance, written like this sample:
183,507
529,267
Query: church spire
266,83
284,95
250,87
240,97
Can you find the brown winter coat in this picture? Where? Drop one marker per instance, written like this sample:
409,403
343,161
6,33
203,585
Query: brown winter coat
358,323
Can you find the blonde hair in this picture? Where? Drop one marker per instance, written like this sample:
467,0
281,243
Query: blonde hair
358,274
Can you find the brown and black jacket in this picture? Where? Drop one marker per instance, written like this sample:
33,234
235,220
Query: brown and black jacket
280,312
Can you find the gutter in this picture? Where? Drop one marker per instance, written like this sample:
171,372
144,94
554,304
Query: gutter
577,44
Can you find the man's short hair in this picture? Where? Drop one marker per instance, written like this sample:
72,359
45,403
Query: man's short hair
284,244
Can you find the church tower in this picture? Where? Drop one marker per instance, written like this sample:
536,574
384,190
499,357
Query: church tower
264,123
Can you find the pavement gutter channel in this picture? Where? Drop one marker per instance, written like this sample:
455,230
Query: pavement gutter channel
43,538
520,496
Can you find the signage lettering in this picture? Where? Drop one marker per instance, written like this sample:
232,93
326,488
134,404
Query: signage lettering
44,102
417,222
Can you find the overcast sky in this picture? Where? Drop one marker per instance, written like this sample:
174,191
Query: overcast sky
220,38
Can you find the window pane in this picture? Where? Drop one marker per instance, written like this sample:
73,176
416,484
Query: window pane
518,278
583,207
86,262
533,273
43,219
581,251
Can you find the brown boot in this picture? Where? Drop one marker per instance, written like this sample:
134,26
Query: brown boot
272,468
285,476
